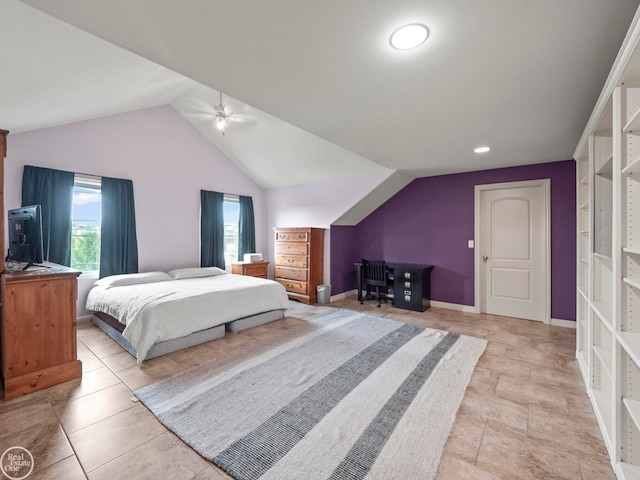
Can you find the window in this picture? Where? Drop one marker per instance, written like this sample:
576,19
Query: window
231,208
85,229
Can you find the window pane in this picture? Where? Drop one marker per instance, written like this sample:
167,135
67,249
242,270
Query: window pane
231,218
85,231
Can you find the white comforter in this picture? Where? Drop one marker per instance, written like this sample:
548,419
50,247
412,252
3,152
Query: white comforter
155,312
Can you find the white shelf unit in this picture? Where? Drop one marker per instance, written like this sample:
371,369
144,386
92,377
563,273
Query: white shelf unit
584,199
608,259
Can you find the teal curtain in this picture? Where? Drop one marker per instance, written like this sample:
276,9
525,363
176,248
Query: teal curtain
53,191
246,228
119,244
211,229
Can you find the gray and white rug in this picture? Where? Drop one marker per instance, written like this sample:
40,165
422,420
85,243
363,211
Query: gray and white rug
359,397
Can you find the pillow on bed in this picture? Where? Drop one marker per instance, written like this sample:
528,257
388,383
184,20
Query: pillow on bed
132,279
195,272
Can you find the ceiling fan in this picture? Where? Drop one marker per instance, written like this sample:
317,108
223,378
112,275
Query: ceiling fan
199,109
223,117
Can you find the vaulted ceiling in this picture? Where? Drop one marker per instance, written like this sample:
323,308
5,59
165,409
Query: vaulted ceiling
321,91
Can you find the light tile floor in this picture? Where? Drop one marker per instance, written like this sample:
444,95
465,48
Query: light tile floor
525,414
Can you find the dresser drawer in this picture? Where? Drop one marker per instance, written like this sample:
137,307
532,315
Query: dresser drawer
256,271
292,273
293,286
300,261
291,248
292,237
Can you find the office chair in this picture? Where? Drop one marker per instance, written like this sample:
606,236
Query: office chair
374,274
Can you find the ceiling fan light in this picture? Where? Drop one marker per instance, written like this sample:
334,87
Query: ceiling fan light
409,36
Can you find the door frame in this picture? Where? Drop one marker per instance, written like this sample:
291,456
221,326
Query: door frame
545,184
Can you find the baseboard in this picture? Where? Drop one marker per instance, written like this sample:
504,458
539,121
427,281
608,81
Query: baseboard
454,306
434,303
84,320
343,295
557,322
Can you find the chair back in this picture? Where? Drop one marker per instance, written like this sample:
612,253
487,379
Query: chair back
375,272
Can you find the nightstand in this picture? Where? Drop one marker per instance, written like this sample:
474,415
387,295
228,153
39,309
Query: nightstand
251,269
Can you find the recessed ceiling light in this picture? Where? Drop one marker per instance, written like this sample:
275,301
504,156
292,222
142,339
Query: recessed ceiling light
481,149
409,36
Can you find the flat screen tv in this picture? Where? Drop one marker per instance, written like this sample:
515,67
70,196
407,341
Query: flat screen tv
25,235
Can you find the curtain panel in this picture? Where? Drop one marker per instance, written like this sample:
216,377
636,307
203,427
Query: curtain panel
211,229
53,191
119,243
246,228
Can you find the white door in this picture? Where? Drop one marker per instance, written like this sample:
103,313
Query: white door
513,250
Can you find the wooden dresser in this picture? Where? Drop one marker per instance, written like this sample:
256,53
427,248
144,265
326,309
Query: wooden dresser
38,329
299,261
251,269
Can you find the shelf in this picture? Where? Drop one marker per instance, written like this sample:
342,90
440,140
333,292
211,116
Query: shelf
606,170
603,311
603,411
585,205
633,250
605,356
633,167
584,260
602,256
633,125
633,407
628,471
631,344
633,281
584,180
584,232
583,323
582,294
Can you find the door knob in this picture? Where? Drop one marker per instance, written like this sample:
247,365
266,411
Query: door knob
485,258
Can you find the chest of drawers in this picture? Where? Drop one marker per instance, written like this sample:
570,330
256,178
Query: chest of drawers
298,261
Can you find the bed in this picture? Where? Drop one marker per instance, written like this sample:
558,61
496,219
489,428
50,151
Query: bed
155,313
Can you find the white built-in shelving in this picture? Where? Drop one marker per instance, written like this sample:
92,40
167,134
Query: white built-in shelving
608,259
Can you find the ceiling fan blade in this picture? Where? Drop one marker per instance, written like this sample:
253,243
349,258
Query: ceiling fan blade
242,118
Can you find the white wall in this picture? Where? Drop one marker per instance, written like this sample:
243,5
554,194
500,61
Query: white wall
317,205
169,163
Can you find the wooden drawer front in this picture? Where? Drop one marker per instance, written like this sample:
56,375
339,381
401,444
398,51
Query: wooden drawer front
292,273
300,261
293,286
256,270
291,248
292,236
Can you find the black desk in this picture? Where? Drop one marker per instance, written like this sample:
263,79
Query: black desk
411,285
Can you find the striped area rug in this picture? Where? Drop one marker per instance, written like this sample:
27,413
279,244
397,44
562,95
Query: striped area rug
358,397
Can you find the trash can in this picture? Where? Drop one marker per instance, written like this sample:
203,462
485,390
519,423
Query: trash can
324,293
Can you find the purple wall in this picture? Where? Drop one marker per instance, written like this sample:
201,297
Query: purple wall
431,220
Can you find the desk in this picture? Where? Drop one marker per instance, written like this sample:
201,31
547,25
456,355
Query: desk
411,285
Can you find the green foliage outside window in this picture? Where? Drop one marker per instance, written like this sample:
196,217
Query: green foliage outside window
85,248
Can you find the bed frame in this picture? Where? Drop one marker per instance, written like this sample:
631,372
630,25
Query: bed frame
114,328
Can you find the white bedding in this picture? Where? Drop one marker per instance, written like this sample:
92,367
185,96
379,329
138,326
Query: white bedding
159,311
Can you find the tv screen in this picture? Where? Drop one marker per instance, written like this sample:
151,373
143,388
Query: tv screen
25,235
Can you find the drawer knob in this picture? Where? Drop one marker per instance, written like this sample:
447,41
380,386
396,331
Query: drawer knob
290,260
